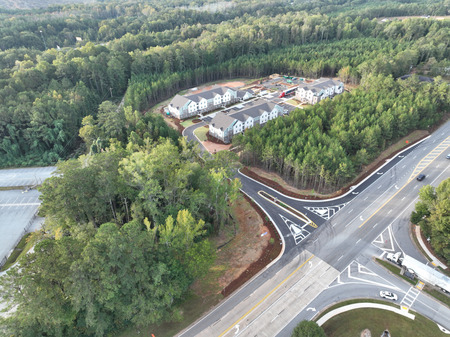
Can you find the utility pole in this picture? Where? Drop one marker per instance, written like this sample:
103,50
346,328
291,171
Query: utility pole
42,36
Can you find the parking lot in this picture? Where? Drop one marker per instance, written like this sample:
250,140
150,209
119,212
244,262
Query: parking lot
25,176
17,216
19,204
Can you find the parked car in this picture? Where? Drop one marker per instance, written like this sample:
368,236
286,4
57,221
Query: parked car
421,177
448,156
388,295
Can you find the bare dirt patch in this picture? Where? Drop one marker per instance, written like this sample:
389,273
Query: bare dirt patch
231,84
245,249
215,147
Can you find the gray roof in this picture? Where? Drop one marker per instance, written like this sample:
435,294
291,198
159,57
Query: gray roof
241,93
320,84
208,94
222,121
178,101
253,109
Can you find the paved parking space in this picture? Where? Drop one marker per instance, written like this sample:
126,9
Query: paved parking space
25,176
17,215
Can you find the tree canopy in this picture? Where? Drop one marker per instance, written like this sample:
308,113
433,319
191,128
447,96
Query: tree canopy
308,329
432,213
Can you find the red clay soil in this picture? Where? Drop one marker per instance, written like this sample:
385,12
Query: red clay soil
247,171
270,253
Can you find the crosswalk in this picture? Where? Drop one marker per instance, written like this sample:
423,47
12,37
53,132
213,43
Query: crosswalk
326,212
437,151
410,297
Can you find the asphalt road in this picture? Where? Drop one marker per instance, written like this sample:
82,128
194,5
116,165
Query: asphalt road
368,221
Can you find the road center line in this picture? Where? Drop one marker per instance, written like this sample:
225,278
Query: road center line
399,190
265,297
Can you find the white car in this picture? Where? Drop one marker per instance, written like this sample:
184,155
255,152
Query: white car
388,295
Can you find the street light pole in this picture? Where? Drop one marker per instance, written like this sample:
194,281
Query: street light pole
42,36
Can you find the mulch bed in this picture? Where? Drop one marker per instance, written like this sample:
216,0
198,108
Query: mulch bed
247,171
195,121
178,124
270,253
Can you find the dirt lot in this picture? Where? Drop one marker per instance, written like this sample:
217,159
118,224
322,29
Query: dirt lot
214,147
231,84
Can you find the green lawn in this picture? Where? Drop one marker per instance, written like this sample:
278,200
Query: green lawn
201,133
188,122
351,323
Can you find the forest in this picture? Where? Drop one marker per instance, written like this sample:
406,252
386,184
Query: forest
324,146
131,209
46,91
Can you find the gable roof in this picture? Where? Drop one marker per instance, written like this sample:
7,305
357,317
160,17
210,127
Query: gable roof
208,94
178,101
222,121
241,93
253,109
319,85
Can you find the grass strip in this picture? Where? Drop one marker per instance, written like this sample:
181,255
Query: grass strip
22,247
348,302
437,295
395,270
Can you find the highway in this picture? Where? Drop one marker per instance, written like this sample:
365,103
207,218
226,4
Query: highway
334,261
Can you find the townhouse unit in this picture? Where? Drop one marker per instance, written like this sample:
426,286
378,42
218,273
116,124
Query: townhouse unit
224,126
190,105
320,89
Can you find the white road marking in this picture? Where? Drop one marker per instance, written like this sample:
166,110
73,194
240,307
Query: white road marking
365,199
341,257
375,225
403,166
357,241
350,211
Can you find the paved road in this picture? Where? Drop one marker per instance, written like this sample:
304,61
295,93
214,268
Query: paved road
352,229
189,134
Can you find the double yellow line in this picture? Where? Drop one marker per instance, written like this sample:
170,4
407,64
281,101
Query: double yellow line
265,297
411,177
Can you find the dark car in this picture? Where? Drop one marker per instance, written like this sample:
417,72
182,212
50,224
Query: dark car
421,177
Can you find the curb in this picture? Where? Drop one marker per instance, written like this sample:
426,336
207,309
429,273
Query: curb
363,305
352,187
434,261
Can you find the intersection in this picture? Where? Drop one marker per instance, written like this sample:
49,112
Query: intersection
368,221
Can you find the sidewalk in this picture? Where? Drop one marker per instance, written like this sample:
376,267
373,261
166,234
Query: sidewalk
434,261
349,307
